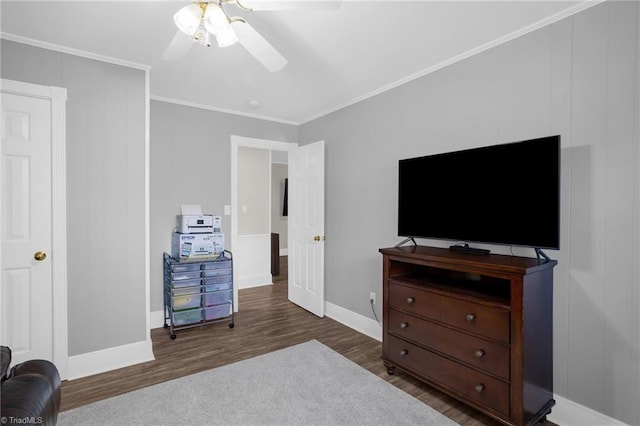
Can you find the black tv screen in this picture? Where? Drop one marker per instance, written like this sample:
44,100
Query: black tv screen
505,194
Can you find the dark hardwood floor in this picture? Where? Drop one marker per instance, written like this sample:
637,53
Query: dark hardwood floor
266,322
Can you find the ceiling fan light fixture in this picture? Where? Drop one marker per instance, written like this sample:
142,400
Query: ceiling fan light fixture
202,36
203,19
215,19
188,19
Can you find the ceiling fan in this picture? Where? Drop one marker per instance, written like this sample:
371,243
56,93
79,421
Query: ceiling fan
203,22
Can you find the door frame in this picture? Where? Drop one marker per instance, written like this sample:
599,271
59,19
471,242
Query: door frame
58,98
236,143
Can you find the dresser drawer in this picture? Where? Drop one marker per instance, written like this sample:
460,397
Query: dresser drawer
485,320
411,299
454,377
489,356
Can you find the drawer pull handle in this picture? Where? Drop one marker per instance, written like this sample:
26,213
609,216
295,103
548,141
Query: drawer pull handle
470,317
480,388
404,352
479,353
410,300
404,325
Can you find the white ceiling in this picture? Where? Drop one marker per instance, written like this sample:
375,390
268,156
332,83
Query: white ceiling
336,57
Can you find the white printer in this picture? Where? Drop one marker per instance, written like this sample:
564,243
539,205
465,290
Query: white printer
198,224
196,235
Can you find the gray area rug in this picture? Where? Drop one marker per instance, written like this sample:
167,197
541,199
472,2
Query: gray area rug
306,384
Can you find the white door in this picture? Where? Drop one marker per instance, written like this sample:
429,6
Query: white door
26,287
306,227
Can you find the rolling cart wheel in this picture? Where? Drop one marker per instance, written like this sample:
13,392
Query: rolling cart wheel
173,336
166,326
232,325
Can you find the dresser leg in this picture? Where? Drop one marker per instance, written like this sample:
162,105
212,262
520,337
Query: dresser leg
390,367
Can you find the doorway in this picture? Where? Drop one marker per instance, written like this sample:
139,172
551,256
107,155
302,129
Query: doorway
305,227
251,241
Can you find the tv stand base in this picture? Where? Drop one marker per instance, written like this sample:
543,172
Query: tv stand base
470,250
542,256
406,240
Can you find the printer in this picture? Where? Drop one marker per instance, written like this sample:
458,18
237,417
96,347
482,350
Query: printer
198,224
196,235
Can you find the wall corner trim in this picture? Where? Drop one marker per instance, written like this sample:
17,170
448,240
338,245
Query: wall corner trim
360,323
109,359
570,413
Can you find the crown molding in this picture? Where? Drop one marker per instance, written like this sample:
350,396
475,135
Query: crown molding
72,51
489,45
223,110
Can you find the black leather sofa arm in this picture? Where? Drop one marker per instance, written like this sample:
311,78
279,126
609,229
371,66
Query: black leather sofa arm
31,394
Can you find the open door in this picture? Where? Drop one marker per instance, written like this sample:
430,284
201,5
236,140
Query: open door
306,227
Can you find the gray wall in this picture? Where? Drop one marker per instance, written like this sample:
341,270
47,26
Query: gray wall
253,191
190,158
578,78
105,191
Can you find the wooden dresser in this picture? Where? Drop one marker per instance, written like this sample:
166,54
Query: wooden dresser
478,328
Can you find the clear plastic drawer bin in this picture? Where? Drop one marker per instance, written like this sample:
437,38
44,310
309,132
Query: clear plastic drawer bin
209,286
181,291
217,272
185,275
186,302
187,317
218,280
186,283
218,265
216,312
217,297
185,267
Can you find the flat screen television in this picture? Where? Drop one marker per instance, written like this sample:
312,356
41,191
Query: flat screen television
507,194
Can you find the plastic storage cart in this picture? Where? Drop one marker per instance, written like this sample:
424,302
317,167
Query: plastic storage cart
197,292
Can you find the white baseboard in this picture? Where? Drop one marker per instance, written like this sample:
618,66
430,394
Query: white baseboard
569,413
156,319
109,359
354,320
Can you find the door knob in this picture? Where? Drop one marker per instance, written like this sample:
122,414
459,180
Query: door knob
316,238
40,256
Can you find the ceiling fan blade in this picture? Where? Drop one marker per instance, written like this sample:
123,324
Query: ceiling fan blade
178,47
260,48
292,4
